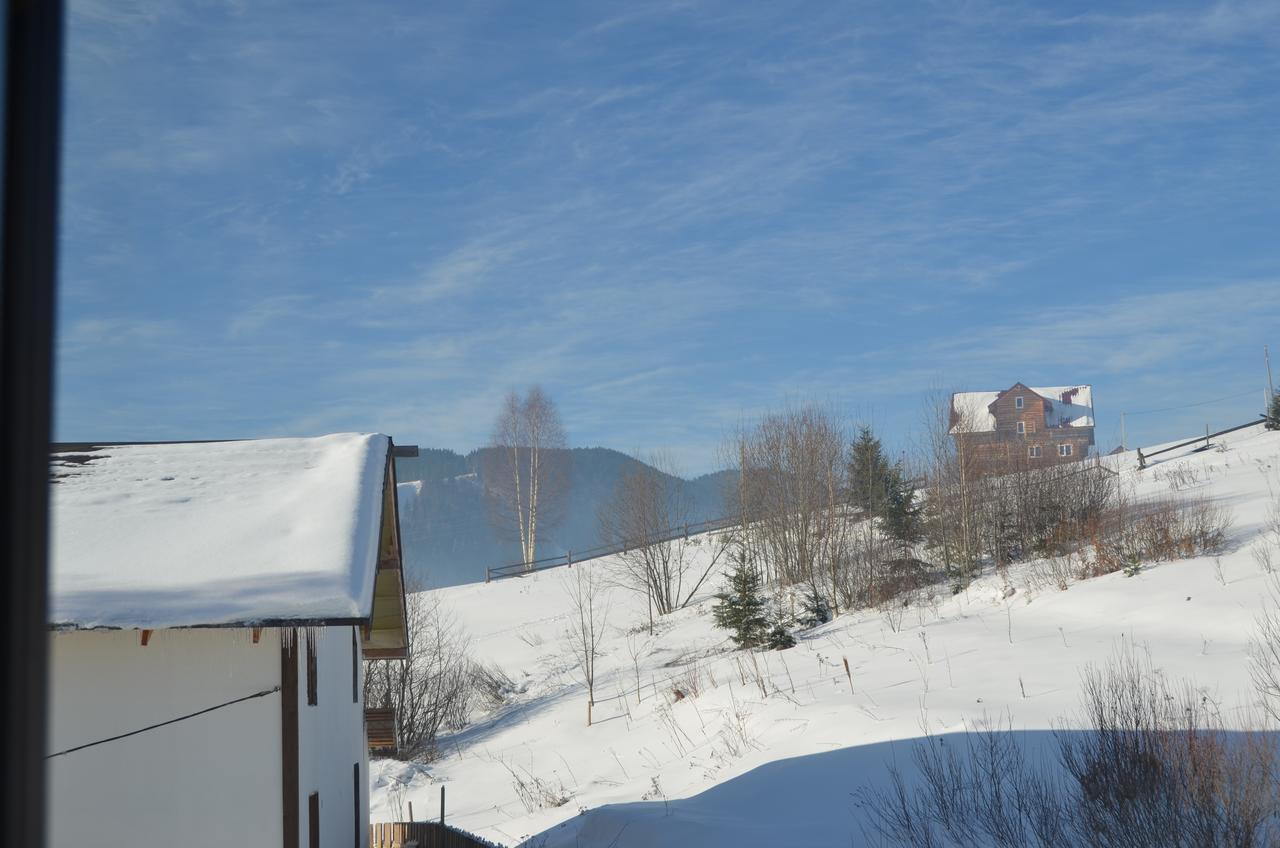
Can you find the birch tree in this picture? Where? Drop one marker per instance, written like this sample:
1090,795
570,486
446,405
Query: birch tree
525,470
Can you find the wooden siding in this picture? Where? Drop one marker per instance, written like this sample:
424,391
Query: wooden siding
380,730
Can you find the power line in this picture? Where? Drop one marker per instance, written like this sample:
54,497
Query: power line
1190,405
261,694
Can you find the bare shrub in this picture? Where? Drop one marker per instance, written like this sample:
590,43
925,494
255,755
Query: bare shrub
534,792
1058,571
1266,551
492,686
689,683
1160,768
1156,767
1163,528
1264,654
431,692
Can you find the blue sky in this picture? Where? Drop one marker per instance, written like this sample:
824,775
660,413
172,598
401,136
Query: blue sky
304,218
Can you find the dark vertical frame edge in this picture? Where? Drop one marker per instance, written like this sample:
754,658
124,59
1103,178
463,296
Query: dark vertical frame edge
33,56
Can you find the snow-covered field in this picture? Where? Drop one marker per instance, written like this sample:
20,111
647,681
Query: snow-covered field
774,747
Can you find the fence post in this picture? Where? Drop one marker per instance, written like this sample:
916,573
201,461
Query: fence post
568,558
442,805
410,811
486,574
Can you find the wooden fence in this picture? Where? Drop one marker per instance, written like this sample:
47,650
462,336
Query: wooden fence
519,569
1202,442
422,835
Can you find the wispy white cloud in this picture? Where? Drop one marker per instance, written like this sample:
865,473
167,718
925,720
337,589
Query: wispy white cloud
672,215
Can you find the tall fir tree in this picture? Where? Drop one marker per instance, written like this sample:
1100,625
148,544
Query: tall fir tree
1273,413
870,474
741,607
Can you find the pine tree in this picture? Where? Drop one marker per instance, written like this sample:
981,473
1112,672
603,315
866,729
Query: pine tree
779,638
1273,413
814,609
741,607
902,513
869,474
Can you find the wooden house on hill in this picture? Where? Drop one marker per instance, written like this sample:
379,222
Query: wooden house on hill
1022,427
210,608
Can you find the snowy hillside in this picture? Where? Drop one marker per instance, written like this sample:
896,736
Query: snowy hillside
771,748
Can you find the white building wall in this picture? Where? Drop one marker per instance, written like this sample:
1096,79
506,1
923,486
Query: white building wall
213,780
331,740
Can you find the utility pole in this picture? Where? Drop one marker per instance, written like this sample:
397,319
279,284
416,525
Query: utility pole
1122,439
1271,389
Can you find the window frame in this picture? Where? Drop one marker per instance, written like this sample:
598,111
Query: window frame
313,671
1034,452
1022,428
1065,450
1019,402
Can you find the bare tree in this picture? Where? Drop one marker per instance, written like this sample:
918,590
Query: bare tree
791,497
648,517
588,612
951,498
431,691
525,472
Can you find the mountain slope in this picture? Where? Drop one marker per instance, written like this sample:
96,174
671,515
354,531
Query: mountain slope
444,522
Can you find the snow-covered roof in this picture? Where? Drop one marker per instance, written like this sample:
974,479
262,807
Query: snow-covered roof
1069,406
217,533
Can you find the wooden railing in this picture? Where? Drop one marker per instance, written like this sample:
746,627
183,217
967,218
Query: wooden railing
423,835
1201,441
520,569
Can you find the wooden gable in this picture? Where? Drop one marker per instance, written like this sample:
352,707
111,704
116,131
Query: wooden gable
386,635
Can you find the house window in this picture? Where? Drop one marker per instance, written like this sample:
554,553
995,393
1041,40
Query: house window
313,695
355,669
1019,402
1033,451
355,801
1064,450
313,820
1022,428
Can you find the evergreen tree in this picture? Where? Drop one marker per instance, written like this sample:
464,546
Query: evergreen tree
1273,413
741,607
814,609
779,638
870,474
903,519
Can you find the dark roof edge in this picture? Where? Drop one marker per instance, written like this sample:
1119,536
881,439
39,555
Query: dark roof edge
243,625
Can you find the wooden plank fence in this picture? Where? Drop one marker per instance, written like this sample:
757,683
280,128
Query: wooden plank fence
423,835
520,569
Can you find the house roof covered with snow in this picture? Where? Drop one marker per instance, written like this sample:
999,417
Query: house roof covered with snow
221,533
1069,406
